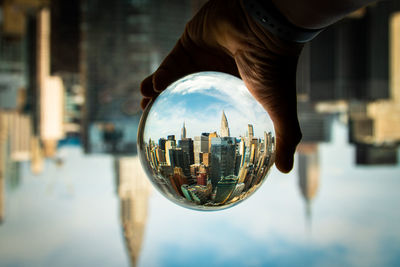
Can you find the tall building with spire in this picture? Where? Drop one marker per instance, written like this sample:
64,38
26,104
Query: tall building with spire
224,126
134,191
183,131
308,164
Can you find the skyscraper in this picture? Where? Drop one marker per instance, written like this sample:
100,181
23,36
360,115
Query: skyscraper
134,191
3,138
350,59
268,142
308,163
223,153
20,135
210,137
376,154
2,213
186,145
169,144
250,131
202,176
119,33
315,127
178,179
385,121
200,145
160,154
225,187
176,157
51,89
224,126
183,132
161,143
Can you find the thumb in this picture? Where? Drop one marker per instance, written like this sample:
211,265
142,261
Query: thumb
274,87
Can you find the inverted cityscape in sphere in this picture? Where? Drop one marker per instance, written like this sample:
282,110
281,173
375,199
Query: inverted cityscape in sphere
206,143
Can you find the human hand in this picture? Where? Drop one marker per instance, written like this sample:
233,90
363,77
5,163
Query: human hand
222,37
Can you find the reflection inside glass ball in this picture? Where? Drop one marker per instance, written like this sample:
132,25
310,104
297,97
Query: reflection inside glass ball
205,142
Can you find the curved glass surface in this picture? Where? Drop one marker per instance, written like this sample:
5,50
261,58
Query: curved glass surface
197,157
72,188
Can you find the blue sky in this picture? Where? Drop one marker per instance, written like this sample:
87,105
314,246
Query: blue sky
69,216
198,100
354,221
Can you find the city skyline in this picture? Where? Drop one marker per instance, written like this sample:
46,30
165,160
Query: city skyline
68,125
212,169
197,98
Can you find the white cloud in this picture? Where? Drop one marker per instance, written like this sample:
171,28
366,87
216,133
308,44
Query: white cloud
354,221
176,105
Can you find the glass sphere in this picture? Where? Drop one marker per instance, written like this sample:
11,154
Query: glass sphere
205,142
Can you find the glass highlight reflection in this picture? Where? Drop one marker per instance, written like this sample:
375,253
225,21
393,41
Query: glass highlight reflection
210,169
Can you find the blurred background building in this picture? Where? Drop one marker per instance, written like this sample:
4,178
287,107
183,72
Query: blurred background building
352,69
70,73
133,190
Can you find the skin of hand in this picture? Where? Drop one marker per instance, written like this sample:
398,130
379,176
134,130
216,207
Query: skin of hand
223,37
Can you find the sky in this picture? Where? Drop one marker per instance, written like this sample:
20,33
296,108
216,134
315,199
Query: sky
66,216
354,221
198,100
69,216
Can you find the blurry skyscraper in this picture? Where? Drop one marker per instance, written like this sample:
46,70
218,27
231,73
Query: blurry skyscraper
350,59
2,192
376,155
65,36
50,89
117,54
161,143
12,54
375,125
20,134
134,191
308,171
315,126
250,131
3,148
127,41
168,20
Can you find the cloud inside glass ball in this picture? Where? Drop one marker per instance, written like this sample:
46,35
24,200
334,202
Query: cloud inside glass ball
198,100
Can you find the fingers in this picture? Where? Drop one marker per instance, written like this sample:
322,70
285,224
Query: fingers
288,136
184,59
146,87
145,101
176,65
287,129
273,85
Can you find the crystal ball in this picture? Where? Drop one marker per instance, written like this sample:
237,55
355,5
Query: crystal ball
205,143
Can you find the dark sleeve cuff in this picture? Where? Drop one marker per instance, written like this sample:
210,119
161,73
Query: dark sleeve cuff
266,14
